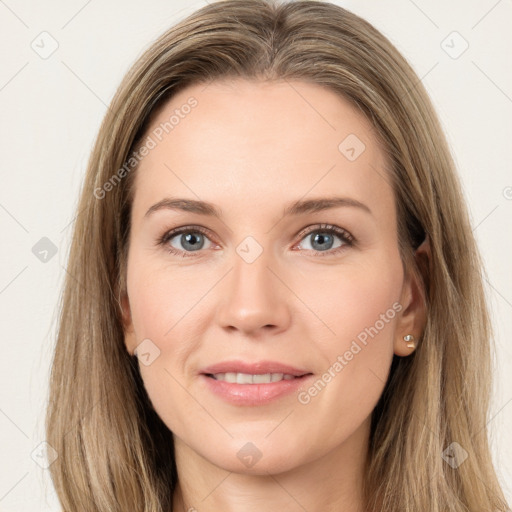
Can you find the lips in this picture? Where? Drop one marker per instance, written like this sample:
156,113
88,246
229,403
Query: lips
253,384
242,383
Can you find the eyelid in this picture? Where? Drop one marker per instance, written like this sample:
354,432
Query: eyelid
341,232
171,233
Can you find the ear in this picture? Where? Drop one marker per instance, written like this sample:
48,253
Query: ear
413,316
129,332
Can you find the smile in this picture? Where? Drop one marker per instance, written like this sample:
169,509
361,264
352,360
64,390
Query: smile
248,378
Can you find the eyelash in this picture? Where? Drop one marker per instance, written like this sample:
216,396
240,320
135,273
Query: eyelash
343,234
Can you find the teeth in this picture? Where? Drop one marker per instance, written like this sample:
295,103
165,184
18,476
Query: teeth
246,378
243,378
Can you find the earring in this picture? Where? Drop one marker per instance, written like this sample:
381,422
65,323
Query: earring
409,338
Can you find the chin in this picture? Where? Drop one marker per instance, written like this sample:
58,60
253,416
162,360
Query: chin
274,465
258,457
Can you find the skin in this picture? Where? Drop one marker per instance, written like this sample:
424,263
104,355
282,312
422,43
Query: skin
251,148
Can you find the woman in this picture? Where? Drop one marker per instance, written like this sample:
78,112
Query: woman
215,355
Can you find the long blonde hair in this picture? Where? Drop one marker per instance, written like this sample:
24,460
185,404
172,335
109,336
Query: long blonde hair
114,452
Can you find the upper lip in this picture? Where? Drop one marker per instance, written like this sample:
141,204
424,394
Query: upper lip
255,368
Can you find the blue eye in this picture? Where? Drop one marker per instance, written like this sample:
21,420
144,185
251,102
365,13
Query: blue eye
192,240
322,239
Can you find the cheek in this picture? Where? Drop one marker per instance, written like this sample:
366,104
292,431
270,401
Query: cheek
361,310
355,302
165,307
160,297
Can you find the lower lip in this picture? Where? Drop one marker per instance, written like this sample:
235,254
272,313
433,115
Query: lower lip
253,394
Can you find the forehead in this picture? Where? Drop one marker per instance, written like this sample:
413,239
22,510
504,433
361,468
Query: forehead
262,143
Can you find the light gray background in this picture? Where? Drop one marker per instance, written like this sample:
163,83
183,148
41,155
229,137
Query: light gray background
51,109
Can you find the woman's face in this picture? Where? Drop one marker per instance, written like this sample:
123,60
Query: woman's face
264,287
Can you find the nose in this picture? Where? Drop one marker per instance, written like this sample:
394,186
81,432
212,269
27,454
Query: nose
254,298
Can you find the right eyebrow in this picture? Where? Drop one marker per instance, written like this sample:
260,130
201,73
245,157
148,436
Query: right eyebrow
186,205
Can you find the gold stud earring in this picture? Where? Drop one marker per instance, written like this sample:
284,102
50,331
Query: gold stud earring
409,338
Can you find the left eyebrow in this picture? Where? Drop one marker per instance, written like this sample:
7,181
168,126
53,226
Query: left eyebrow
321,204
300,207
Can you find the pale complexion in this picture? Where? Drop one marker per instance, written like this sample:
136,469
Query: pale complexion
251,149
